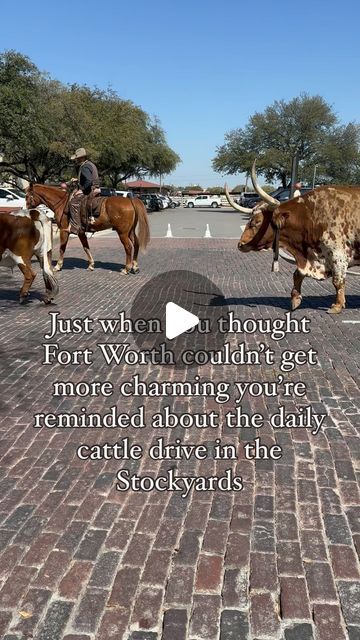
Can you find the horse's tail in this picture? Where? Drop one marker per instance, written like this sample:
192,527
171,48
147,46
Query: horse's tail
43,250
143,223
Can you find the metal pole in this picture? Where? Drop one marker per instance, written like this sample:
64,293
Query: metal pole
246,182
314,176
294,171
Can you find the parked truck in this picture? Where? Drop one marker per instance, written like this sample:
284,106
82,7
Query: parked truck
203,201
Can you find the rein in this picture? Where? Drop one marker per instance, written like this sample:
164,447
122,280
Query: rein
43,201
275,248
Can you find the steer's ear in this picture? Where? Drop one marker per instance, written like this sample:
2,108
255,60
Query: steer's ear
279,218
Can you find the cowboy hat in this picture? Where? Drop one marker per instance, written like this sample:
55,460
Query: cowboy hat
79,153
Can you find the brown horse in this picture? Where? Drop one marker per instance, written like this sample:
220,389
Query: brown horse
121,214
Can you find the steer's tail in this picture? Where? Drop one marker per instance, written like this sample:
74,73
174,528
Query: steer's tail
143,223
43,251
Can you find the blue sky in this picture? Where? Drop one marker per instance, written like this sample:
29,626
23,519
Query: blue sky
202,67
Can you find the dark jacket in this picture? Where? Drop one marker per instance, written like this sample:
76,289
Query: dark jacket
88,177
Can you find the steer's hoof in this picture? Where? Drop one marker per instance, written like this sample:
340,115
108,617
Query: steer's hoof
295,302
336,308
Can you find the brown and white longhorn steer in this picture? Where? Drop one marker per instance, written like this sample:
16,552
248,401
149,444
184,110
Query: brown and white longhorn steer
321,230
23,235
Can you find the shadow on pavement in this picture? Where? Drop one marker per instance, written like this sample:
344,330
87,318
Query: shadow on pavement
282,302
10,297
80,263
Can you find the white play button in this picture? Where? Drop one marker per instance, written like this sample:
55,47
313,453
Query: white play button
178,320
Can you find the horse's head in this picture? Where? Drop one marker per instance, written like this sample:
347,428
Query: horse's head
52,197
32,198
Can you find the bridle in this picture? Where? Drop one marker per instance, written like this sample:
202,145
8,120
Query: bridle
43,201
275,244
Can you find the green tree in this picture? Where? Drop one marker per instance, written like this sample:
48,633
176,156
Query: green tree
306,124
215,190
163,159
26,97
128,142
338,159
43,121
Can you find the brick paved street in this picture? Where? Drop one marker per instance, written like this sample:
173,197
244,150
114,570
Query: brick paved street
80,560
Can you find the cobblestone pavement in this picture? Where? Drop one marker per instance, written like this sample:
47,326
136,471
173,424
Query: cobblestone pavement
80,560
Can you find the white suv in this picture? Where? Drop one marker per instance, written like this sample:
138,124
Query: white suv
204,201
124,194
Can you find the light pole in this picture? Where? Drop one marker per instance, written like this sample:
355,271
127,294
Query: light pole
314,176
246,182
294,172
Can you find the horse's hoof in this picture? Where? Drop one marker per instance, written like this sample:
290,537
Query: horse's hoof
91,267
135,270
125,272
57,267
335,308
295,302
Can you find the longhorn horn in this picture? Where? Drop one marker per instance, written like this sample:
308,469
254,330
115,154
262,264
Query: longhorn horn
233,204
263,195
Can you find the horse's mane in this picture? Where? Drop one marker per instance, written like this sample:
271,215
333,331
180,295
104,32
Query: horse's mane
48,186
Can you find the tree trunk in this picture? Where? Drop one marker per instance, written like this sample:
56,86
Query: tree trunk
114,180
283,180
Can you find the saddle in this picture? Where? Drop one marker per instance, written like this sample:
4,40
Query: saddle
90,207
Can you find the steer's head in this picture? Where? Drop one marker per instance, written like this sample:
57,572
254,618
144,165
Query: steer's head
258,233
266,218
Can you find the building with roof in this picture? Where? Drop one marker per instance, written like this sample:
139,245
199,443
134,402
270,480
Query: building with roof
143,186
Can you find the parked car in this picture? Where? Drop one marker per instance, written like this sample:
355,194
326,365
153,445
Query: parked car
245,197
124,194
13,199
173,204
151,202
203,201
280,194
164,200
107,191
